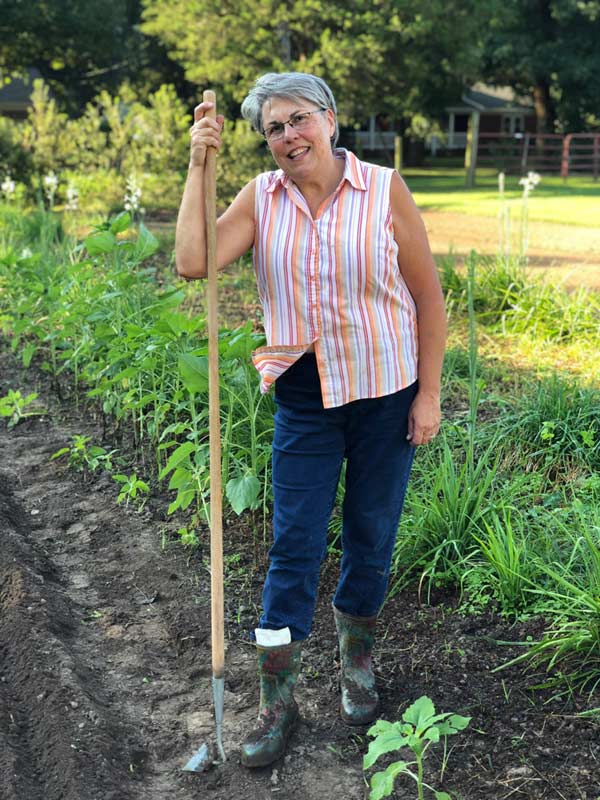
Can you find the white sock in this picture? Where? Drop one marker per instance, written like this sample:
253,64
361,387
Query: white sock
267,638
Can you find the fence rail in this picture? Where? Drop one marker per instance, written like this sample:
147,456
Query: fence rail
374,140
576,153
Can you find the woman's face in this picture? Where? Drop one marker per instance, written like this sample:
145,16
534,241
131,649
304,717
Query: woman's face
299,153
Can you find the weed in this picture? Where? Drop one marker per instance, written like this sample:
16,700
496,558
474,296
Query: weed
557,422
188,537
133,490
505,551
571,599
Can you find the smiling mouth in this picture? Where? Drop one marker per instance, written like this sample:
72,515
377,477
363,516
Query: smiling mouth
299,151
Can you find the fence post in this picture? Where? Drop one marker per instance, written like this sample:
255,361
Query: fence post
358,148
398,153
525,152
596,155
471,149
564,167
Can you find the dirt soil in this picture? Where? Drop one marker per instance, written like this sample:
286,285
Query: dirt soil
566,253
105,665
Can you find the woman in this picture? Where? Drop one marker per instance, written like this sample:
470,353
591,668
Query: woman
355,327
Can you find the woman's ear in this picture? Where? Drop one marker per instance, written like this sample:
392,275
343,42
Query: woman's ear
331,121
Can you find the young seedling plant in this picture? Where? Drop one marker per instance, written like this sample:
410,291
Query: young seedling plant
15,407
419,729
83,456
132,490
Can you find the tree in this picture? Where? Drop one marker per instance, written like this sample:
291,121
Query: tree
396,57
80,48
549,49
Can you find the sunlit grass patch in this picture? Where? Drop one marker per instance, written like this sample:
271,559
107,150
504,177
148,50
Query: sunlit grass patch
574,203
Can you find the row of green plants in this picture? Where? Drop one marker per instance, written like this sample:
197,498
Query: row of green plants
504,507
93,316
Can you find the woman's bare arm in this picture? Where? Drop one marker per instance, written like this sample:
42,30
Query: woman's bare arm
235,228
419,271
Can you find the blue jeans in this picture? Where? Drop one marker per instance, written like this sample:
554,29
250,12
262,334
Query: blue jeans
309,446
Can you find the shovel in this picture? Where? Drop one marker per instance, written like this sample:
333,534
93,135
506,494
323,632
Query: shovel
203,759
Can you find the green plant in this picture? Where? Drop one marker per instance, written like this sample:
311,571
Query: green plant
570,648
556,422
188,468
505,551
456,500
132,490
421,727
82,455
448,515
14,406
188,537
507,299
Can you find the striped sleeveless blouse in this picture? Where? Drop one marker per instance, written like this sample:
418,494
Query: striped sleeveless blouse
334,282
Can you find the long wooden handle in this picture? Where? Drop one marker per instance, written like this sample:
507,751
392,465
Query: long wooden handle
216,510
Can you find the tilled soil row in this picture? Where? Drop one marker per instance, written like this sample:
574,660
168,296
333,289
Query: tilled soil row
44,748
87,659
105,664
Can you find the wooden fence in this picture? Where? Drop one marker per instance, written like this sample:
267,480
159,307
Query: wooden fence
576,153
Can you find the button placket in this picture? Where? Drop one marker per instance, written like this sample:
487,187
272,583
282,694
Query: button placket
313,280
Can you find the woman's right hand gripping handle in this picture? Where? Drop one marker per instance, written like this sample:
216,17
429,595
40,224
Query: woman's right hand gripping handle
204,133
190,234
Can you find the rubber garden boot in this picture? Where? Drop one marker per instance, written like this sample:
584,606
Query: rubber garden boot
360,701
278,669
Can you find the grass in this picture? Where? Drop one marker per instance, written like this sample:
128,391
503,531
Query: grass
573,203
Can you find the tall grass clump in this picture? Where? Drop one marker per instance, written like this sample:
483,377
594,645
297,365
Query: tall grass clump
452,498
569,650
507,299
506,552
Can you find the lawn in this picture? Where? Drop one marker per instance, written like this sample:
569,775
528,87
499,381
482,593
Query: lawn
576,202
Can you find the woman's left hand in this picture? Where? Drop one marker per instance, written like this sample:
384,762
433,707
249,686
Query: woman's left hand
424,418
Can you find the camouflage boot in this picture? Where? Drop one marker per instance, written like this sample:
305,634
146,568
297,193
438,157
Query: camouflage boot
278,669
360,701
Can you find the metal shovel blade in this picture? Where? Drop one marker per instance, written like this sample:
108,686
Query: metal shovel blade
204,758
200,761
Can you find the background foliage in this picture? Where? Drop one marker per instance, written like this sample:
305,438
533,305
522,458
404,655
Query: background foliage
400,58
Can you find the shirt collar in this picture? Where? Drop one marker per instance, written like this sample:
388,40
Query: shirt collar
352,172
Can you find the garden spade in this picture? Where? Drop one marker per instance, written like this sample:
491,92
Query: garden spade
202,760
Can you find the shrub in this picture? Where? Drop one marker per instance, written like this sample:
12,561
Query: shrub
14,160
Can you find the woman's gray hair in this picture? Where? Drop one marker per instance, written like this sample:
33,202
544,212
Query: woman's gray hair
291,86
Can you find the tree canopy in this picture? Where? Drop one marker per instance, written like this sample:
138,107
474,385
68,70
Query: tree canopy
386,56
407,59
80,47
549,49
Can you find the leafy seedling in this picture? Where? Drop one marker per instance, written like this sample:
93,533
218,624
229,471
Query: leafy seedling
419,729
132,490
14,406
82,455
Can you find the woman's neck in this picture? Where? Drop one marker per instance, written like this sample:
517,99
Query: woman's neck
316,189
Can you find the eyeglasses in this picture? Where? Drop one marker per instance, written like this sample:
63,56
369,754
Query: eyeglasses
298,122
